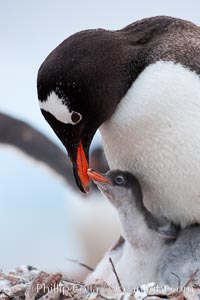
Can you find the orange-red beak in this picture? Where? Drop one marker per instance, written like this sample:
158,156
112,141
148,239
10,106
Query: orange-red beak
96,176
77,145
82,167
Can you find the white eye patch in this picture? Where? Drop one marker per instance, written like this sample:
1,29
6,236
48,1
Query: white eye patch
59,110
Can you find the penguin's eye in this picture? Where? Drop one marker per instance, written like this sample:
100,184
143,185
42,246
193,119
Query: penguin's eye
119,180
76,117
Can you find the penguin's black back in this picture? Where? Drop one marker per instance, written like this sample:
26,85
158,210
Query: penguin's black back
166,38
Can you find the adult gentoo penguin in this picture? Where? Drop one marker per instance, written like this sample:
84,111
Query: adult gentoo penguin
145,235
141,86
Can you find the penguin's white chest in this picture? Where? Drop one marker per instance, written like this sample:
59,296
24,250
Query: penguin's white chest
132,264
155,133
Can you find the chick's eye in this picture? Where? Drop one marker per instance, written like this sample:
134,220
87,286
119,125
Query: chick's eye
119,180
76,117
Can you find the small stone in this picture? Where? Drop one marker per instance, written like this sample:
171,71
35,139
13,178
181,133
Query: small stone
43,284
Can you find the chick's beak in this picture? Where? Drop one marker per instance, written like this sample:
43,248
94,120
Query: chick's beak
97,176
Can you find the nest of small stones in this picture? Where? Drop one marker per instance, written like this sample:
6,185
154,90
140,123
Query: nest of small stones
28,283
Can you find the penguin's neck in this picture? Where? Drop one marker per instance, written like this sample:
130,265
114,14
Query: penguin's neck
154,133
134,226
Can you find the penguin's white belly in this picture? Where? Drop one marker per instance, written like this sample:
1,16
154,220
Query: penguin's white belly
134,266
155,134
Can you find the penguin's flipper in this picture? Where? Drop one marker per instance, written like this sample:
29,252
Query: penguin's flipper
169,231
164,227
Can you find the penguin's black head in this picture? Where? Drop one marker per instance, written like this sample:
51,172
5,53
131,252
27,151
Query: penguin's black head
79,86
118,186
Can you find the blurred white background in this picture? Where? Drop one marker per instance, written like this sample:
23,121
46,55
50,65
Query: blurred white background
41,220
